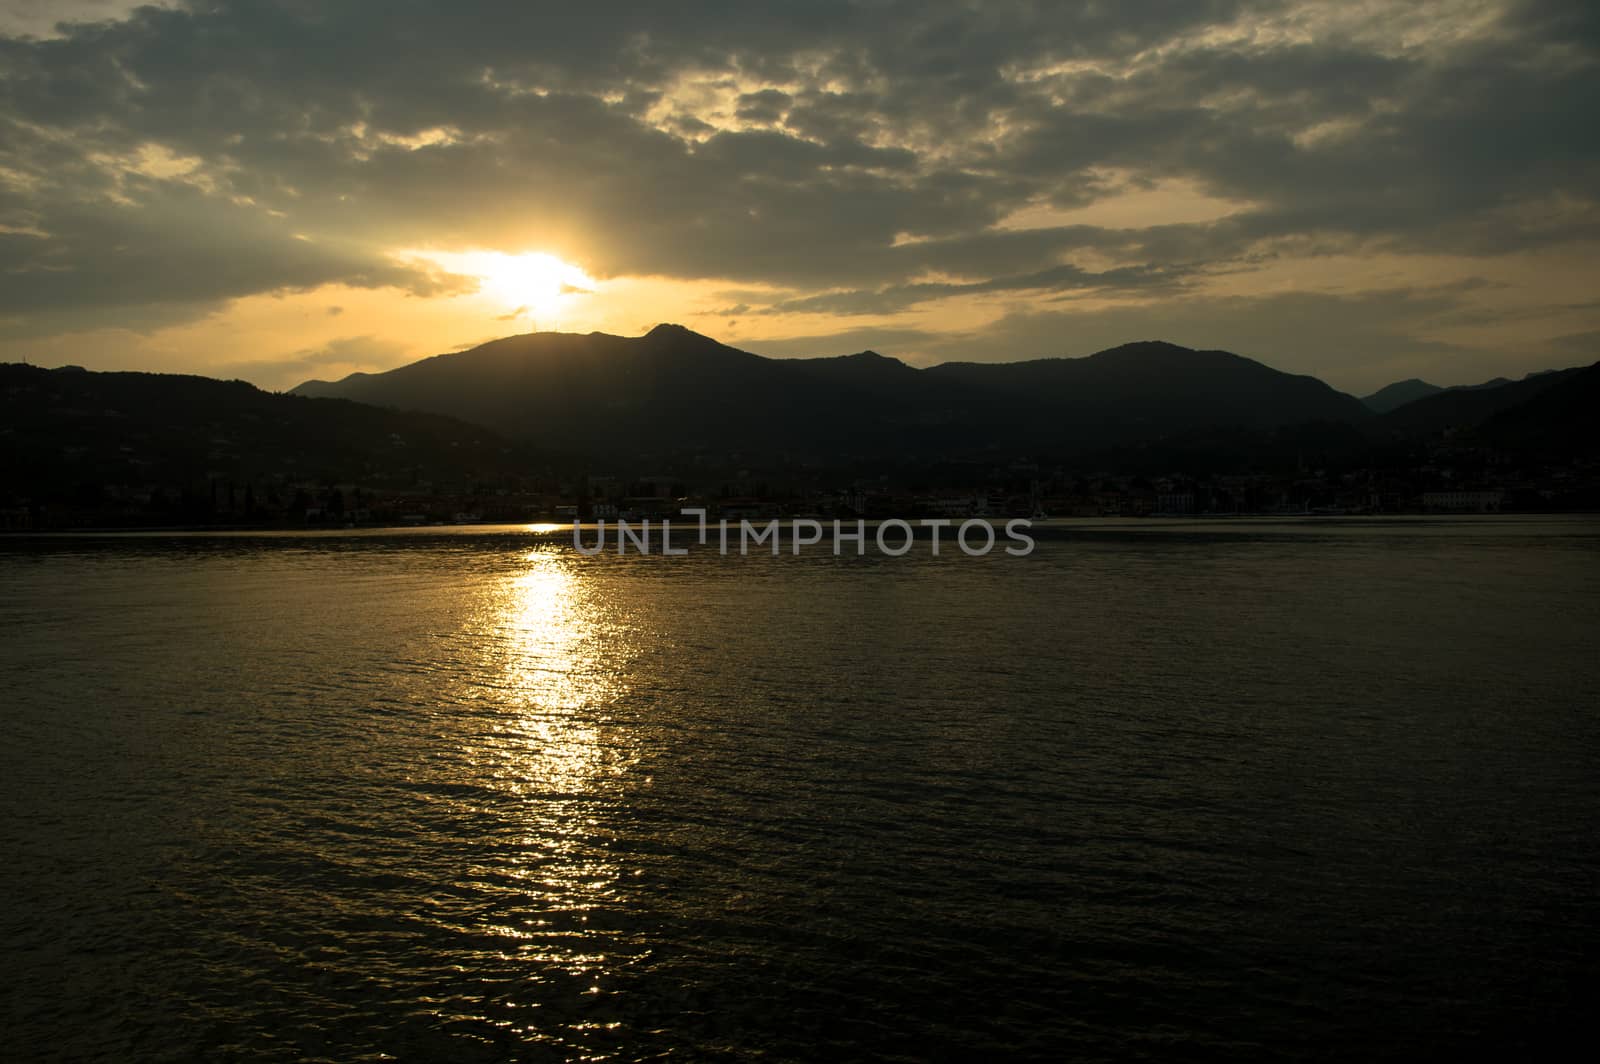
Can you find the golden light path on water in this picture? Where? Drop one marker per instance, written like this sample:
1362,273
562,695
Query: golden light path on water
556,763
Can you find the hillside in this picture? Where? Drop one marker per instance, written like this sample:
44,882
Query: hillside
71,437
1463,408
1558,423
674,392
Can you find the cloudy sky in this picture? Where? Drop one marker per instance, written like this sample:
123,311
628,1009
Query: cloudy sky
283,189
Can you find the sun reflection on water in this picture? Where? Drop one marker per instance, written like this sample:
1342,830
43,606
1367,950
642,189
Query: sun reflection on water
555,665
556,758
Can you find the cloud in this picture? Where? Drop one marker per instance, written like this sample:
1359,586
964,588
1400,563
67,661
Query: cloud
1056,279
1585,345
847,159
127,247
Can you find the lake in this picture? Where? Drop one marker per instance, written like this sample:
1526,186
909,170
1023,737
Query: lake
1159,790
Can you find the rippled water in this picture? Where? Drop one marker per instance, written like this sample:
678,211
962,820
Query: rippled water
1156,791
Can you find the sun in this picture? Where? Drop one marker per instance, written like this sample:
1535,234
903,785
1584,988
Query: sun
534,286
534,283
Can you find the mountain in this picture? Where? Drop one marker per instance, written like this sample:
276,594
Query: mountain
77,438
674,391
1463,408
1399,393
670,390
1145,390
1558,422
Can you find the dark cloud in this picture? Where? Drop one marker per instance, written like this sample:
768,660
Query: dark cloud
1056,279
1585,345
157,166
169,249
767,106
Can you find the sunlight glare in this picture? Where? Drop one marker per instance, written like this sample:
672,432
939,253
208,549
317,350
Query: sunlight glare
535,282
535,285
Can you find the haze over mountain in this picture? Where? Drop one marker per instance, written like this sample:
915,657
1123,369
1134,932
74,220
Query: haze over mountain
675,391
1399,394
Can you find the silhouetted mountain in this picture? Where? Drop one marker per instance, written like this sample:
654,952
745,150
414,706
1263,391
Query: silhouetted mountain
1464,408
1558,422
1399,393
670,390
871,372
1142,391
674,391
73,436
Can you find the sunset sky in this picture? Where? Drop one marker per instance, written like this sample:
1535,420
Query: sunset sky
305,188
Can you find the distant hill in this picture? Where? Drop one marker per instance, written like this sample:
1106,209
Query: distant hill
674,391
1399,393
1142,391
1464,408
671,390
1558,422
68,435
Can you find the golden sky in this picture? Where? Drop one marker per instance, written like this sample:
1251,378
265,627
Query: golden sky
281,191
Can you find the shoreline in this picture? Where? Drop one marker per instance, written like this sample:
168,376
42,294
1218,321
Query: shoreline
550,527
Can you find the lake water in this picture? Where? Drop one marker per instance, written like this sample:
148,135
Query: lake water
1158,791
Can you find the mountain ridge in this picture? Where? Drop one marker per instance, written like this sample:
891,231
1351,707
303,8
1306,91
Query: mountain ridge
81,448
1453,409
676,390
1402,393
